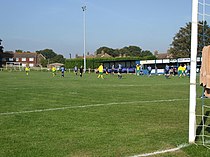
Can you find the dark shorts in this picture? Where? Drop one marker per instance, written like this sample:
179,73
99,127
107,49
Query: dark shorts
166,71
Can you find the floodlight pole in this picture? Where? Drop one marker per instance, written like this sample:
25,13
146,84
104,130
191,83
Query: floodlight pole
84,21
193,65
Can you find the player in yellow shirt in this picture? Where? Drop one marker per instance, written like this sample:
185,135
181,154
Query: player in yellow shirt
54,71
27,69
137,69
180,70
101,71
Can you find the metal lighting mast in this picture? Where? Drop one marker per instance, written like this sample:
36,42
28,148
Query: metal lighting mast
1,51
84,20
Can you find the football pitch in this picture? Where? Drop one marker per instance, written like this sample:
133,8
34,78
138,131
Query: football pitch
45,116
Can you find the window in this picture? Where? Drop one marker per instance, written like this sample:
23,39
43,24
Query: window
10,59
17,59
23,59
31,59
31,65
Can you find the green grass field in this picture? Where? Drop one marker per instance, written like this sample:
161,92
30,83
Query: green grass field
42,116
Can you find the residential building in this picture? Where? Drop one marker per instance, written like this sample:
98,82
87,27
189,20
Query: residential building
103,55
30,59
6,57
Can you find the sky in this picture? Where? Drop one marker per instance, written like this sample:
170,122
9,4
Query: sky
32,25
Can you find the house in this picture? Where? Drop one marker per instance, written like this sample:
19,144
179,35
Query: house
102,55
31,59
163,55
6,57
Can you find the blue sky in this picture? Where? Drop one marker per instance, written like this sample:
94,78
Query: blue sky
31,25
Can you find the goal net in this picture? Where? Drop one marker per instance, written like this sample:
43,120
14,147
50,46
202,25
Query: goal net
199,115
13,66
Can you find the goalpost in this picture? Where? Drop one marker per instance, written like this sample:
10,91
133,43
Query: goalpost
193,64
14,66
198,10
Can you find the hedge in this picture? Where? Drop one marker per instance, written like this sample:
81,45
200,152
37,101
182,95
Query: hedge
95,62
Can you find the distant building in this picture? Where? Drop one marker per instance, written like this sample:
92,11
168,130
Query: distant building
163,55
6,57
103,55
30,59
56,65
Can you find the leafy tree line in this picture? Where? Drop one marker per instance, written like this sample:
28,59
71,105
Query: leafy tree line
131,51
1,47
21,51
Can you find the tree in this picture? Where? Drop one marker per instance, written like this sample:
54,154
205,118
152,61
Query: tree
115,53
51,57
156,52
1,47
104,49
44,62
19,51
58,59
146,53
132,51
47,53
181,44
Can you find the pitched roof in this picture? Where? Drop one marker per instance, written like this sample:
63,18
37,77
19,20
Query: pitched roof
25,55
7,54
103,55
164,55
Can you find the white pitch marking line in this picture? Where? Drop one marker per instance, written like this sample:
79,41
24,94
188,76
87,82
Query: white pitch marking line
85,106
163,151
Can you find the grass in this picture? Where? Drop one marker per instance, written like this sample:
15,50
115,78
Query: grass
109,117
